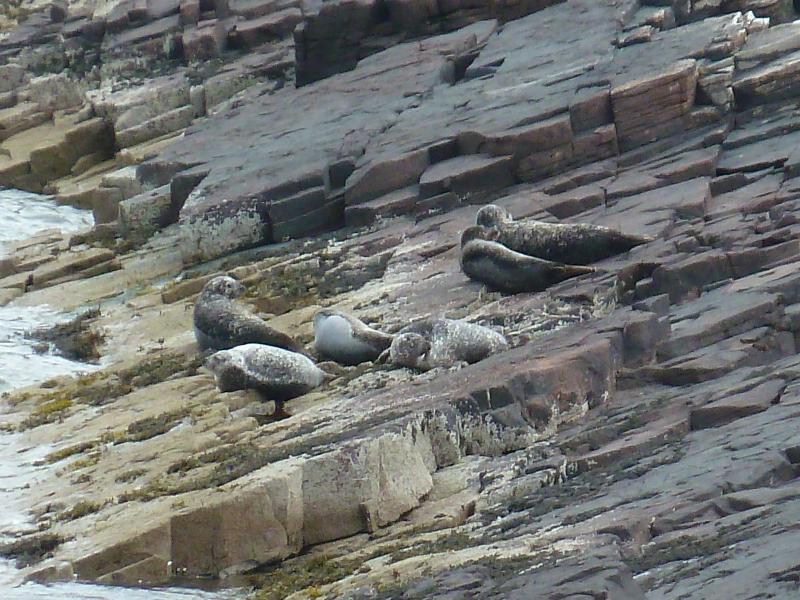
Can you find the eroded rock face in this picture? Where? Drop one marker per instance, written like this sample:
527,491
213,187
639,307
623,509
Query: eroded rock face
639,436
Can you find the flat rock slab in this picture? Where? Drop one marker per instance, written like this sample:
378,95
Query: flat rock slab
465,174
717,316
721,412
772,152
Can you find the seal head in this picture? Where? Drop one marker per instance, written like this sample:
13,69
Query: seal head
222,286
410,350
492,215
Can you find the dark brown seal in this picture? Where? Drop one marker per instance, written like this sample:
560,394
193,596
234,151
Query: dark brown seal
506,270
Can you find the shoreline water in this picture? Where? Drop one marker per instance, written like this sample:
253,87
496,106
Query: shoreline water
26,214
20,464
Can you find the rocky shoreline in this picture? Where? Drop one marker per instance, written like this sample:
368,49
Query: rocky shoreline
638,440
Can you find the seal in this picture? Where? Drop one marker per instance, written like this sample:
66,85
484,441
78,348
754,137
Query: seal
506,270
443,343
347,340
221,323
276,373
569,243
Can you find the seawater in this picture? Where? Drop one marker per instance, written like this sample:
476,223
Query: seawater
22,215
20,364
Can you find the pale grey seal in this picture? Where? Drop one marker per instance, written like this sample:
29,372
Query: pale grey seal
505,270
277,373
346,339
221,323
444,342
569,243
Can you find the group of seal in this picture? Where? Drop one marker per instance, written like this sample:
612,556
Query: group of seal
251,354
507,255
422,345
529,256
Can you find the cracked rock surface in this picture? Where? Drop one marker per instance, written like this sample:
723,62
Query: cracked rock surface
639,438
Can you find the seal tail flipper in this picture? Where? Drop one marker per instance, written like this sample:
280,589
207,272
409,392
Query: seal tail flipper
383,358
260,332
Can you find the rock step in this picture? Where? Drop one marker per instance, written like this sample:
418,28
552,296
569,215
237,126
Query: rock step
168,122
393,204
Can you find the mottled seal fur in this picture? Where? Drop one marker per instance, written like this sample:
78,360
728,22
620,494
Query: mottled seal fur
569,243
221,323
444,342
505,270
347,340
277,373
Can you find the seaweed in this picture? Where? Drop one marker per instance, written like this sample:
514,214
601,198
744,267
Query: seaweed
30,549
75,339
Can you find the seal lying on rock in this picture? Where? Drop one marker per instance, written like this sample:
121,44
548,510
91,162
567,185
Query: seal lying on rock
508,271
277,373
442,343
221,323
347,340
569,243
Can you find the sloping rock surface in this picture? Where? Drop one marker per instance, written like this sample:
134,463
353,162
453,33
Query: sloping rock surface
638,439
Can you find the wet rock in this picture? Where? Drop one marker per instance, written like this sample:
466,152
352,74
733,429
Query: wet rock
207,40
77,339
158,126
466,175
381,177
276,25
11,77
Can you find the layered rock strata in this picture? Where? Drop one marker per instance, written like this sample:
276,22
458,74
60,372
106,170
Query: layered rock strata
638,439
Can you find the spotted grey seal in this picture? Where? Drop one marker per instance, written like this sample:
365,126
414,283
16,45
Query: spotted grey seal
569,243
505,270
346,339
221,323
443,342
277,373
